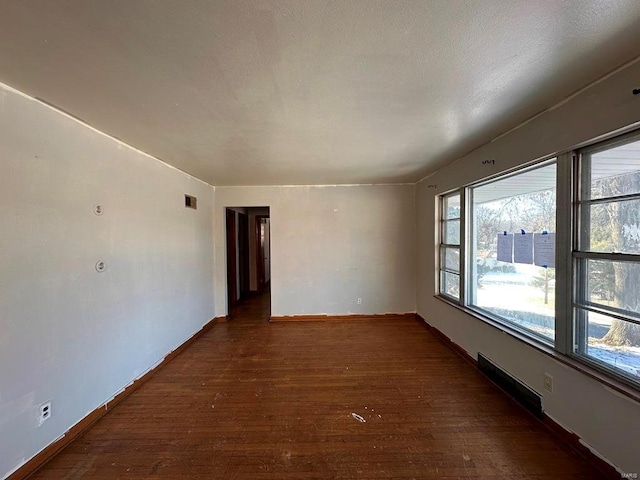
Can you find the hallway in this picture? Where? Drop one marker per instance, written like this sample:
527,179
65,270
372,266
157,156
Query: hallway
360,399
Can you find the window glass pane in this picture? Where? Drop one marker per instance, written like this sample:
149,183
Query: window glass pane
616,171
450,259
614,284
614,227
450,284
520,293
452,206
613,342
451,232
524,296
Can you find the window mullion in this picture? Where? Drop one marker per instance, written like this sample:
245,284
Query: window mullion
470,254
564,262
463,246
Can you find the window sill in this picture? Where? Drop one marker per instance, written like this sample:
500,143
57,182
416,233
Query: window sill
607,381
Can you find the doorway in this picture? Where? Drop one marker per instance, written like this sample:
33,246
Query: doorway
263,257
248,235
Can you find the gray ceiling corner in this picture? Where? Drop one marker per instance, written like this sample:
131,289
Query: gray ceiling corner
269,92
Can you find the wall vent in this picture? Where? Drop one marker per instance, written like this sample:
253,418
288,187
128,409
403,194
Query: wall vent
526,396
190,202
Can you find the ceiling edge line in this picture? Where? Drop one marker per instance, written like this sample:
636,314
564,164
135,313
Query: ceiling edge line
321,185
82,122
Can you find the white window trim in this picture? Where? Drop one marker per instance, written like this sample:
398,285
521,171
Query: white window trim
469,265
568,255
442,245
579,257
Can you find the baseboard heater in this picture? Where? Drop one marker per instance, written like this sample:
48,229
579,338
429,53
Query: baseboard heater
527,397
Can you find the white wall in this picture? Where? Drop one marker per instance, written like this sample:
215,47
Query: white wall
69,334
331,245
605,420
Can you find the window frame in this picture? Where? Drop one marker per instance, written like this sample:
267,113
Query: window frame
530,334
442,246
580,256
570,285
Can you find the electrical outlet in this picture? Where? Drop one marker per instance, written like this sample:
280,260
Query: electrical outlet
359,301
45,412
548,383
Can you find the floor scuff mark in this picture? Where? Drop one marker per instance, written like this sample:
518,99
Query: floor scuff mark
359,418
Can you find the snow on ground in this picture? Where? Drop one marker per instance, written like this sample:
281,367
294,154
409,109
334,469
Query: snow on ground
513,292
624,358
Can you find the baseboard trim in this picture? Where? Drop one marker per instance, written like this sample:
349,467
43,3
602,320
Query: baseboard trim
447,341
332,318
571,439
41,458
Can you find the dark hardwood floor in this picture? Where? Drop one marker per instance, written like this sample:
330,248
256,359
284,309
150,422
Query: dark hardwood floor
366,399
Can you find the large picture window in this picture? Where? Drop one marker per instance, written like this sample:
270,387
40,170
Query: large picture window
507,216
551,254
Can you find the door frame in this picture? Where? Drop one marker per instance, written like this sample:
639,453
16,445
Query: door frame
232,274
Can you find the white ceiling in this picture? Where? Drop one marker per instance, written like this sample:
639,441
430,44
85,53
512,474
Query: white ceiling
248,92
